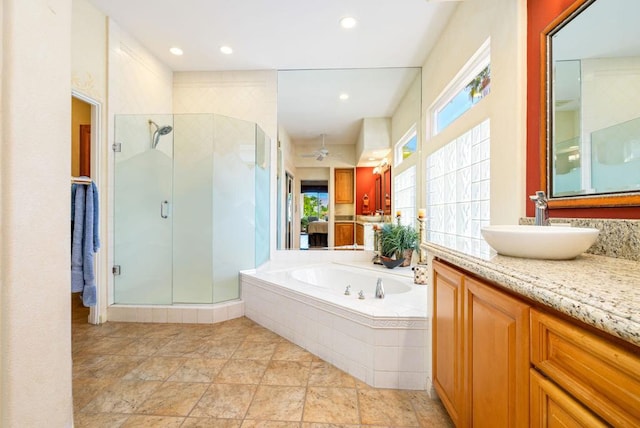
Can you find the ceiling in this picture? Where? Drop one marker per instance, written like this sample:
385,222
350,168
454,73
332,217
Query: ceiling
291,35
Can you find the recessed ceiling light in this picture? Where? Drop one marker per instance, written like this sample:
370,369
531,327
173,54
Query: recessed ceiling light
344,96
371,159
348,22
226,50
176,51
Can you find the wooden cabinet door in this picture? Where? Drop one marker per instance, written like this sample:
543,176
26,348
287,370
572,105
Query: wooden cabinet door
551,407
359,234
447,340
343,186
343,234
497,364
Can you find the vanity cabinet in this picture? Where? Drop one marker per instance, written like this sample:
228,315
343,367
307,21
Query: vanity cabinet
480,351
501,361
343,233
582,371
344,188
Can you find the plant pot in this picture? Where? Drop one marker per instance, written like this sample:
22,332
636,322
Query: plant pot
406,255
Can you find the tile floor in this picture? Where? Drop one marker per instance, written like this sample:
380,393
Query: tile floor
231,374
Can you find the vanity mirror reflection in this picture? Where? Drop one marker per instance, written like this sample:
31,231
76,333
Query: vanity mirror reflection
355,115
592,120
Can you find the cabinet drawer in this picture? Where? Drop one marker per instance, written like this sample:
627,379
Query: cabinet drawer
552,407
601,375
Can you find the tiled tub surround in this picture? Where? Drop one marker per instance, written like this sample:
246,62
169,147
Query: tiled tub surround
618,238
379,341
603,292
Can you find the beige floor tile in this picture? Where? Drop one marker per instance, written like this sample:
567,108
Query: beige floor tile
261,334
101,420
219,349
85,390
291,352
242,372
139,421
250,350
164,331
144,346
279,403
430,413
173,399
122,397
250,423
386,407
225,401
104,366
287,373
110,345
325,425
155,368
325,374
198,370
132,329
190,347
333,405
211,423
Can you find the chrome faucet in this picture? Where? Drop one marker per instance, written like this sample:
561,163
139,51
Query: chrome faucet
379,289
542,208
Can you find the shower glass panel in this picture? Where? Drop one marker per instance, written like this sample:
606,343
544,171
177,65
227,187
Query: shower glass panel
213,173
142,211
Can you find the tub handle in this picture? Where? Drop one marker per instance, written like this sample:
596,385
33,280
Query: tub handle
347,291
361,295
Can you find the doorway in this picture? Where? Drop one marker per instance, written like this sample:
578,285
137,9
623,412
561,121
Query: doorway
84,163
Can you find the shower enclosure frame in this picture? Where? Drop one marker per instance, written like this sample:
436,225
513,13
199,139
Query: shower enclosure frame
198,176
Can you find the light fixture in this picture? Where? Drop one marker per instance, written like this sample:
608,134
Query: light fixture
348,22
226,50
176,51
344,96
371,159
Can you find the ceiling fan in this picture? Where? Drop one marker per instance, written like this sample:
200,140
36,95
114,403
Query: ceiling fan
319,154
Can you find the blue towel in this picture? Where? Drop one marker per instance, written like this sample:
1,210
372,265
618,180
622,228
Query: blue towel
85,241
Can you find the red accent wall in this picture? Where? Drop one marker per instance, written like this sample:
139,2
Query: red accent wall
539,15
365,181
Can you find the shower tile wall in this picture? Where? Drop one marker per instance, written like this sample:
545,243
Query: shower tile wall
458,189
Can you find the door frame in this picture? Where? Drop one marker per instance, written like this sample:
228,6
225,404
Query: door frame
101,260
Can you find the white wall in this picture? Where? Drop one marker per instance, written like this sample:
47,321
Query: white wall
35,332
470,25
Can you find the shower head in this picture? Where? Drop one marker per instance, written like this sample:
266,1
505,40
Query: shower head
160,130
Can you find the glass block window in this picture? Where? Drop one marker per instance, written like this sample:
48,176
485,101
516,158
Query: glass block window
404,195
458,191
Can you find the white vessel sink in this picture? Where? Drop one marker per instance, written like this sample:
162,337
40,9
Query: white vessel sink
540,242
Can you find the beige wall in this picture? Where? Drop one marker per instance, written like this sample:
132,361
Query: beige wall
35,329
89,51
246,95
470,25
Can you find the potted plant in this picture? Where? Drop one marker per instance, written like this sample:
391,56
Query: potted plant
399,241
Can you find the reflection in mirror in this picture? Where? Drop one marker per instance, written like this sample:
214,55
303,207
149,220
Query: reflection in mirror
318,129
593,108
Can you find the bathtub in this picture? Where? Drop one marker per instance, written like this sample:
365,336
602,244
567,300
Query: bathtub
382,342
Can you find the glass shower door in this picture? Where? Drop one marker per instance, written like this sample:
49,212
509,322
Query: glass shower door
143,185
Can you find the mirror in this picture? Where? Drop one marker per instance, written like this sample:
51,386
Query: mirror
358,129
593,114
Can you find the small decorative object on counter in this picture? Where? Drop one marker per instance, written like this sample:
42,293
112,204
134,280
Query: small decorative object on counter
361,295
420,274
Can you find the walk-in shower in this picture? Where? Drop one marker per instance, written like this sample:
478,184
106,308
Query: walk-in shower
189,212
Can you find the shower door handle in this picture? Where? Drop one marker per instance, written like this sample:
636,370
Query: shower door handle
164,209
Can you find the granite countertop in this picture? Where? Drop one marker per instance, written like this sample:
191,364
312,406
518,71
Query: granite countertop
603,292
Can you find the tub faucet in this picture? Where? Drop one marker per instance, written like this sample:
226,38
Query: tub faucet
542,211
379,289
